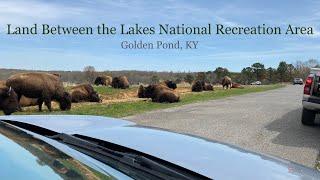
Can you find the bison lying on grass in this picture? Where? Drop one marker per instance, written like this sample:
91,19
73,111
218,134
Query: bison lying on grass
237,85
120,82
43,86
169,84
226,82
199,86
84,93
158,93
8,100
103,80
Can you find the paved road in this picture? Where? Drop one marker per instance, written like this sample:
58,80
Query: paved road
267,122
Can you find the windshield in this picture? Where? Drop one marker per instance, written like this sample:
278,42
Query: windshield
24,157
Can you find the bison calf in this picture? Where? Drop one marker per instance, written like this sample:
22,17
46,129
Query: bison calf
84,93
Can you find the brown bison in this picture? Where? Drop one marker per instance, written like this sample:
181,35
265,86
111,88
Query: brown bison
8,100
120,82
170,84
103,80
25,102
2,83
84,93
226,82
208,87
43,86
237,85
158,93
199,86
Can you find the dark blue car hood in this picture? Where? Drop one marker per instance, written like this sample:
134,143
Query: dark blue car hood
209,158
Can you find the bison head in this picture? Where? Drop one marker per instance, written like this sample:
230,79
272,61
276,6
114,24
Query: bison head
65,101
171,85
149,91
141,92
95,97
8,101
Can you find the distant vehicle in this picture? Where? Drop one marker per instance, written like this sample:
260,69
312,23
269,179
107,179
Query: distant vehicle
311,97
91,147
297,81
256,83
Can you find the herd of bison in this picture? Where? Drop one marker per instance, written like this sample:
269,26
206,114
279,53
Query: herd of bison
39,88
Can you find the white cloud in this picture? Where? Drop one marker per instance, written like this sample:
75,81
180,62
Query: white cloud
24,12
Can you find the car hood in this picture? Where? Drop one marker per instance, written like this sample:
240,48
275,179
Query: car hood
209,158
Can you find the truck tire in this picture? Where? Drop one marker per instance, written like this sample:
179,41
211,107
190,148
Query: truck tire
308,117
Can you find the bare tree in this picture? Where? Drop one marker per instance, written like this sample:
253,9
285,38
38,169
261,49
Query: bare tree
90,73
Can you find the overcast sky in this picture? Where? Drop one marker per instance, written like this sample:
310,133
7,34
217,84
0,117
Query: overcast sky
105,53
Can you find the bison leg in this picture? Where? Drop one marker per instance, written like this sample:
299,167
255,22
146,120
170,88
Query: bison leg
40,102
48,104
19,106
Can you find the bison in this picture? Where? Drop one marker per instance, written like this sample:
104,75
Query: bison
158,93
199,86
103,80
8,100
226,82
84,93
25,102
208,87
237,85
43,86
120,82
170,84
2,83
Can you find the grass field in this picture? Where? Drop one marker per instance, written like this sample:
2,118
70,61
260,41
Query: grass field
122,109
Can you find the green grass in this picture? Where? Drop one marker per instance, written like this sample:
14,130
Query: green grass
122,109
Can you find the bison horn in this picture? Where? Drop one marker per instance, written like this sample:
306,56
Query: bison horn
9,91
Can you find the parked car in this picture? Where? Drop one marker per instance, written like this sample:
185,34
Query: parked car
91,147
311,97
256,83
297,81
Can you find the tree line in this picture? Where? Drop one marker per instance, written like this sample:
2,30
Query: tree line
285,72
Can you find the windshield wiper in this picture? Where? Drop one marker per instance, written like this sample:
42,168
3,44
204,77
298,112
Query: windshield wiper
133,163
145,167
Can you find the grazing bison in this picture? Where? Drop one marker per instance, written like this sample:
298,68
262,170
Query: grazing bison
8,100
43,86
120,82
158,93
169,84
226,82
84,93
103,80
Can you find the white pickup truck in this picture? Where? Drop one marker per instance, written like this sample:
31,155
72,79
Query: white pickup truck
311,97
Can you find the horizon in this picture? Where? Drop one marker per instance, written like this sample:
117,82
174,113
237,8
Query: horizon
234,52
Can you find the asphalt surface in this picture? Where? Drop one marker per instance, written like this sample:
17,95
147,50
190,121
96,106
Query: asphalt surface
266,122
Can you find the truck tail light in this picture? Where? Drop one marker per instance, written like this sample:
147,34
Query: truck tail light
307,86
